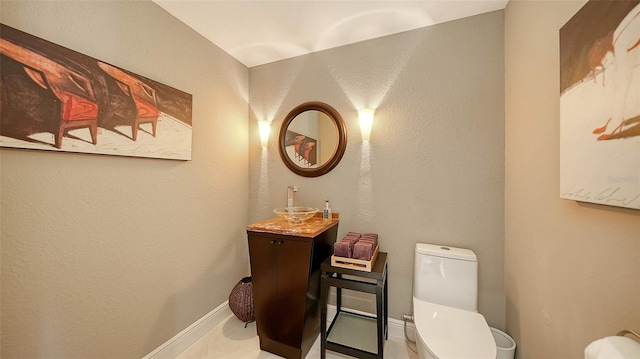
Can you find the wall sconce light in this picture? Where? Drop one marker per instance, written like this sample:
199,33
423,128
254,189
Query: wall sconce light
366,121
264,127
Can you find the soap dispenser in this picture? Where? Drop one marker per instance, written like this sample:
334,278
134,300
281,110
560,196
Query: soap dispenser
326,213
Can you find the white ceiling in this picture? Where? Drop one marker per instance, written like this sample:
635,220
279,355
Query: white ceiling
257,32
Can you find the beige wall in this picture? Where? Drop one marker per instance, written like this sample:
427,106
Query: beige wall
109,257
572,270
434,169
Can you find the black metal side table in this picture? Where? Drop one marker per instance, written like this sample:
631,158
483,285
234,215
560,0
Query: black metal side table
355,334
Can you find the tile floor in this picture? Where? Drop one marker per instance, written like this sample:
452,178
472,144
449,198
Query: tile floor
232,340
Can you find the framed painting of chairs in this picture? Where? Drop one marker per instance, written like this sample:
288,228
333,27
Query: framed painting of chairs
57,99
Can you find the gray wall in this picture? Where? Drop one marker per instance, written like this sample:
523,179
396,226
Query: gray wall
572,270
109,257
434,169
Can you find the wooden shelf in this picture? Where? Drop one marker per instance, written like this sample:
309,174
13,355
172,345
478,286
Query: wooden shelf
350,333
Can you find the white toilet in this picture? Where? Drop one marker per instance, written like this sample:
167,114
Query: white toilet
445,292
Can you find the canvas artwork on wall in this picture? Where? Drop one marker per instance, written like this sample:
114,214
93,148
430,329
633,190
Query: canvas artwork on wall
600,104
54,98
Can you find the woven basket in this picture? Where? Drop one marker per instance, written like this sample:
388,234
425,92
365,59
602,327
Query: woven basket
241,300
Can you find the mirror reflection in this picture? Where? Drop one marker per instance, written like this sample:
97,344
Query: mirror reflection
313,139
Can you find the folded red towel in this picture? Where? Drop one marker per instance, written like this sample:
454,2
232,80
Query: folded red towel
363,250
343,249
351,241
351,238
370,235
370,240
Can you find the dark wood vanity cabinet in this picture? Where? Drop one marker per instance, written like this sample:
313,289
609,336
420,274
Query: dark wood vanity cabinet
285,271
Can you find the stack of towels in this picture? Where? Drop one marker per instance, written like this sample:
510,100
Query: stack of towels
357,246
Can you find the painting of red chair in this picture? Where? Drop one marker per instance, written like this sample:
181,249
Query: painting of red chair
57,99
600,104
301,149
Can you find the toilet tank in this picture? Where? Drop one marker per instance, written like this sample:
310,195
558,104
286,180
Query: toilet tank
446,276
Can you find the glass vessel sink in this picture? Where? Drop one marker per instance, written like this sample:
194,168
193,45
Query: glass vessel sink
295,215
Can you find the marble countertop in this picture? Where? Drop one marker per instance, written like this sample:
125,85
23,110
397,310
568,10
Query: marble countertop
309,228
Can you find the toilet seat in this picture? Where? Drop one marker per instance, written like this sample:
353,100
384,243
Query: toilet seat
449,332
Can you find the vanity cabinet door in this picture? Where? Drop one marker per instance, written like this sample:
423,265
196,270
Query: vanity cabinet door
293,279
264,272
280,277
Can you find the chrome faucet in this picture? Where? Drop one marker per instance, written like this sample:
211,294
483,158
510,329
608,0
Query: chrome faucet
291,196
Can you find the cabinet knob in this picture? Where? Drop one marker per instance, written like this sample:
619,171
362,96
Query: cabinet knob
276,242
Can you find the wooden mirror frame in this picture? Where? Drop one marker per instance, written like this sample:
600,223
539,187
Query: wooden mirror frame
341,130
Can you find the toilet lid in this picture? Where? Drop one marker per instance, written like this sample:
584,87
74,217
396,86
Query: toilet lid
453,333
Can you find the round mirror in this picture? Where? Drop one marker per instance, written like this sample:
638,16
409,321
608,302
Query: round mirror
313,139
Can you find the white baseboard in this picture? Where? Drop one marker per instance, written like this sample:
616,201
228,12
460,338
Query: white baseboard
181,341
396,326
